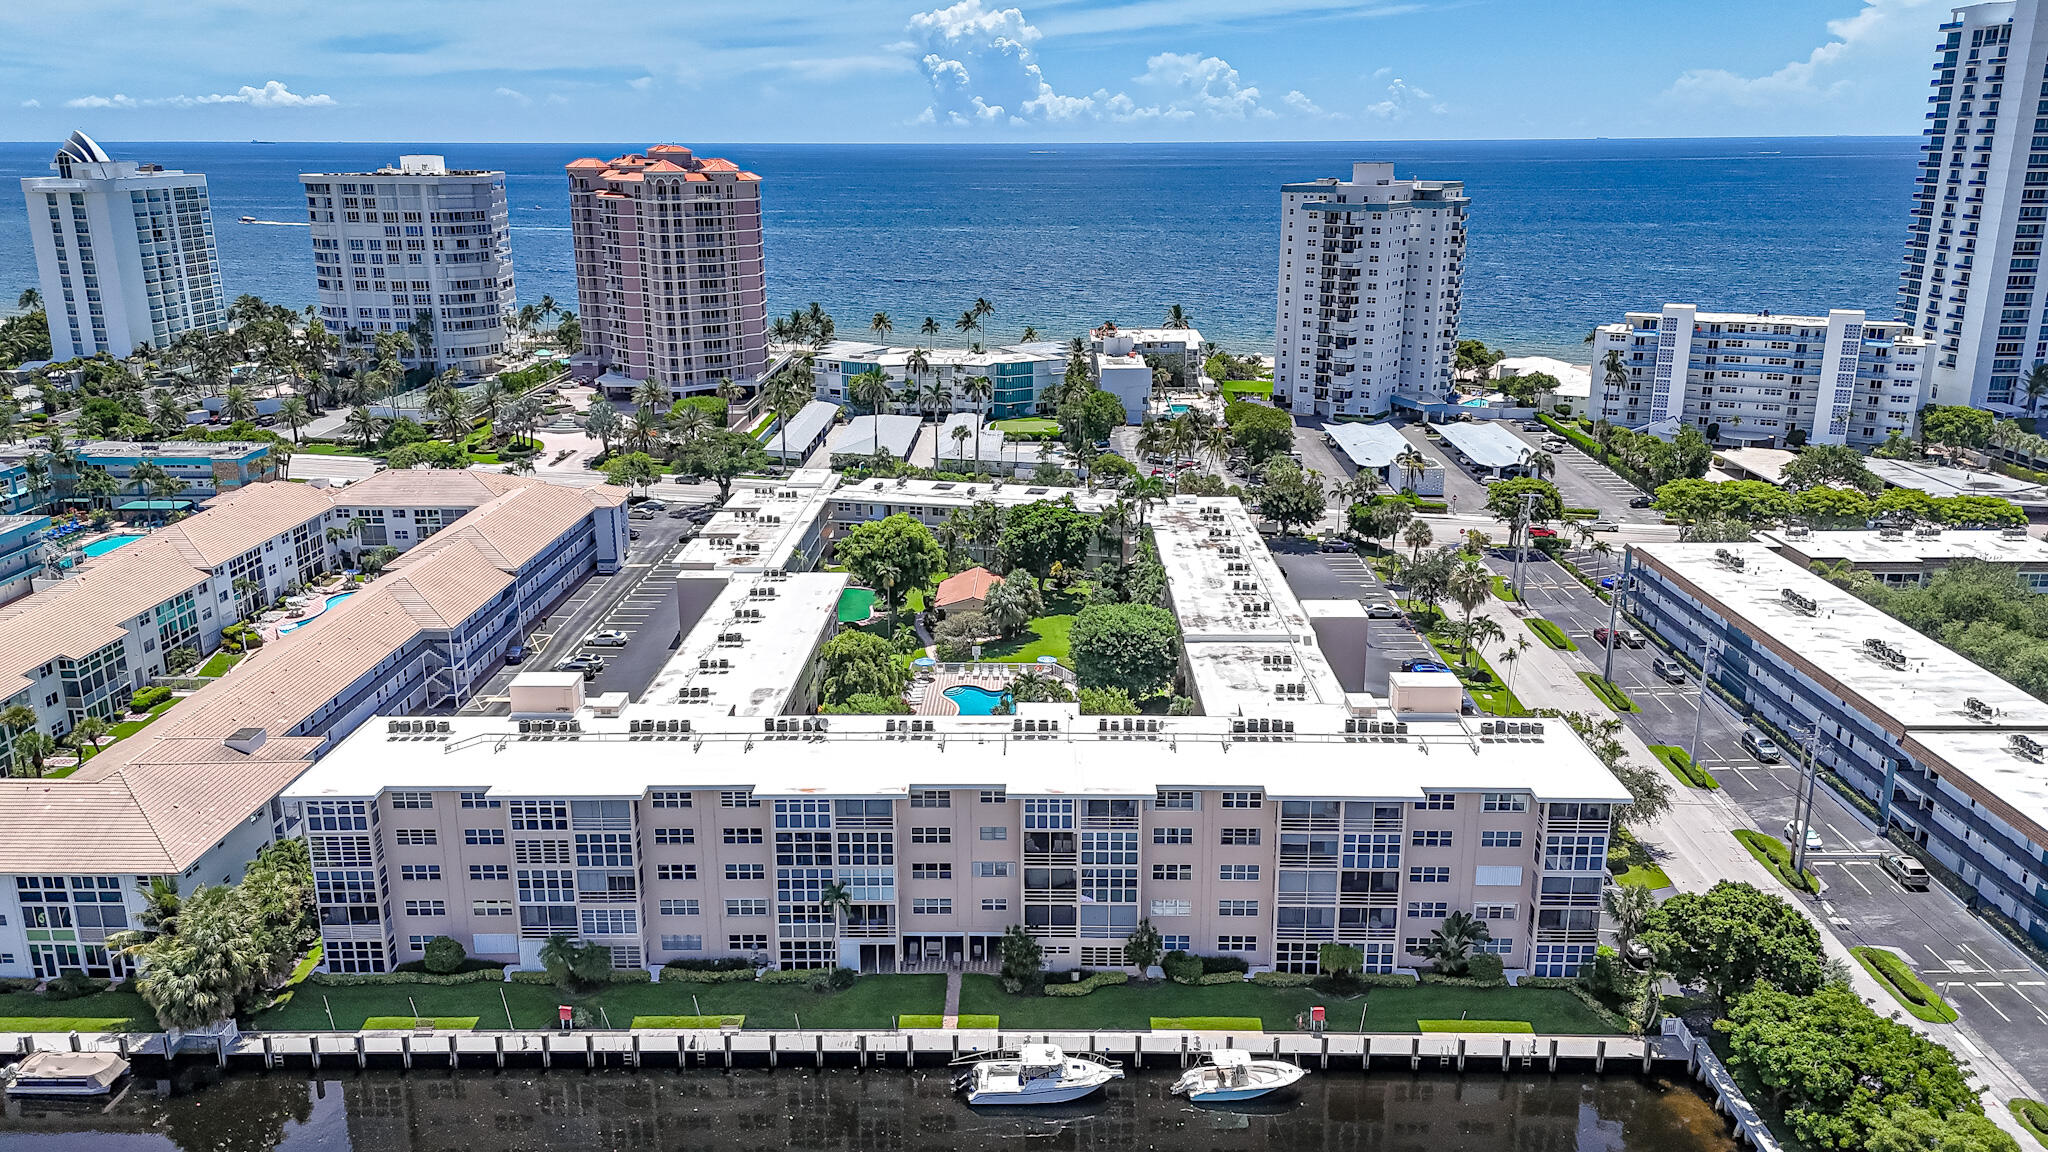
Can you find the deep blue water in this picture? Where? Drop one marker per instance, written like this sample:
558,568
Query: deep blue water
1564,234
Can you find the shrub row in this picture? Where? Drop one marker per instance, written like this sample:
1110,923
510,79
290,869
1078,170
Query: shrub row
1682,766
2033,1116
670,974
616,976
19,983
1921,1000
1551,634
358,979
148,698
1284,979
1776,856
1090,984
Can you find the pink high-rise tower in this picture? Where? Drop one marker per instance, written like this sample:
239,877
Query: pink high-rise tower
669,278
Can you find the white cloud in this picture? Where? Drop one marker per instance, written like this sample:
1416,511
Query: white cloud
1882,30
514,95
979,63
1198,86
1404,100
641,84
273,94
556,98
31,103
1299,102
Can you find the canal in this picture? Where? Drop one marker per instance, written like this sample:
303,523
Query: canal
873,1111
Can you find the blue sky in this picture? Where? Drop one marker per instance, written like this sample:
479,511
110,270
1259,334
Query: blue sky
860,70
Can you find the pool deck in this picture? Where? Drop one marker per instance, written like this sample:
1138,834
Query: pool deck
934,701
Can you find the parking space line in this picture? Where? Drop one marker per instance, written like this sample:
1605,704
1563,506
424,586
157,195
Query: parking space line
1987,1000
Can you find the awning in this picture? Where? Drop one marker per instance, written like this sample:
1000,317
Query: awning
153,506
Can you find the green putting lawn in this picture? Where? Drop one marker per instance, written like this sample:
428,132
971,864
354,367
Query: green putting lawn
1031,425
856,605
408,1023
99,1012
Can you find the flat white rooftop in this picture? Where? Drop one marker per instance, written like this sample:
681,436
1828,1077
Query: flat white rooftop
1369,445
1995,771
1225,585
761,525
963,493
1487,444
864,435
1942,480
752,647
1872,548
1930,688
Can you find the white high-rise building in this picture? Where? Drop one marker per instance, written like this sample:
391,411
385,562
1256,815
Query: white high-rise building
1369,275
1971,284
124,252
1760,379
418,249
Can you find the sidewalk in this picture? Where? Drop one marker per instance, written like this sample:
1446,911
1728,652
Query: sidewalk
1699,850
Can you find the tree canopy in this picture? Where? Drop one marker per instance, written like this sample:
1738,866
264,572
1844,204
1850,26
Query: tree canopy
891,555
858,664
1504,499
1260,431
722,455
1042,533
1291,496
1734,935
1135,647
1955,426
1831,464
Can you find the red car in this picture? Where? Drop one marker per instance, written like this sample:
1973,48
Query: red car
1543,533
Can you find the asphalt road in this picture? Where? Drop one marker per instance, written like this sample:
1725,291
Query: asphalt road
2000,994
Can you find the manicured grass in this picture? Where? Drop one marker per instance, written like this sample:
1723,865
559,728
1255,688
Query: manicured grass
2033,1116
1476,1026
874,1002
1609,693
1681,766
99,1012
408,1023
1772,854
127,728
1551,634
219,663
1502,591
1208,1024
762,426
1488,690
1399,1009
1048,635
1235,388
689,1021
984,1023
1027,425
1631,864
1904,984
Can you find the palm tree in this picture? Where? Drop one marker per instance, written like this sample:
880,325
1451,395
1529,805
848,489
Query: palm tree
29,300
881,326
2035,385
294,416
1540,464
930,327
978,391
652,394
1478,634
968,322
871,388
1417,536
1628,908
689,425
1470,584
732,392
1030,335
363,424
98,486
602,421
89,730
935,398
31,751
787,395
1450,947
835,899
915,366
960,436
1412,464
1176,317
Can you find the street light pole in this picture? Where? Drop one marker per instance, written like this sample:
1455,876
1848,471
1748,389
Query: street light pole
1525,507
1804,809
1692,749
1621,581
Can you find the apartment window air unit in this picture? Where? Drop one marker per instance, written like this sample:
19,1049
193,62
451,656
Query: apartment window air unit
1884,653
1799,601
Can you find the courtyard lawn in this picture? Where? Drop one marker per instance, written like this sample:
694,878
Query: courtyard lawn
1232,389
408,1023
1397,1009
689,1021
219,663
1208,1024
983,1023
99,1012
1027,426
1475,1026
127,728
874,1002
1047,635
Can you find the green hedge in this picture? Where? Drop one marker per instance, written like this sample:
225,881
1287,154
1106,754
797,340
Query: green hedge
1609,693
616,976
359,979
1772,853
1551,634
1904,984
1681,766
670,974
1084,987
1284,979
2033,1116
790,975
148,698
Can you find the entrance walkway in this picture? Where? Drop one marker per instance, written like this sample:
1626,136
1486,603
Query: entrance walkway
952,1013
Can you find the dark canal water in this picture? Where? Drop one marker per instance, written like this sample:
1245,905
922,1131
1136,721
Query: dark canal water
874,1111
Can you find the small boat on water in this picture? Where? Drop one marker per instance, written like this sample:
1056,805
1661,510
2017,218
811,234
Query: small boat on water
1033,1074
1227,1075
67,1074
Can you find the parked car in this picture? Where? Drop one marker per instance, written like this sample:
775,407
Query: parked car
1633,638
1543,533
1333,545
589,665
1910,873
609,638
1555,443
1639,501
1602,637
1669,669
1382,612
678,513
515,654
1638,954
632,534
1812,837
652,505
1535,426
1607,583
1761,746
1602,526
1420,665
641,513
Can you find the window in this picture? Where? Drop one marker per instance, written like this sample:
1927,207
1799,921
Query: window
675,871
746,907
1500,839
682,943
738,799
1241,837
993,796
418,837
412,799
994,832
1170,872
1237,943
746,872
610,922
487,872
931,871
1429,875
931,906
1494,911
540,816
1173,835
426,908
930,798
481,836
1437,802
1238,872
1175,799
1503,802
418,943
678,907
675,835
547,886
1430,838
995,905
931,835
1237,907
419,872
1252,799
1575,853
747,942
604,849
478,800
660,799
1429,909
991,869
490,908
742,835
1416,945
1173,943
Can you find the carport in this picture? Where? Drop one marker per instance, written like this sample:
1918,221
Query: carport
1375,447
1488,447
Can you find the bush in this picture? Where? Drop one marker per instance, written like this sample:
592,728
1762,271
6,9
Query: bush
841,979
2033,1116
528,978
787,975
148,698
1486,968
473,976
444,954
1209,978
1090,984
1233,964
671,974
72,985
1181,968
1552,635
18,983
1284,979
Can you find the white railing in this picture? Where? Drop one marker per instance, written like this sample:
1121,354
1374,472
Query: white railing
986,670
1749,1124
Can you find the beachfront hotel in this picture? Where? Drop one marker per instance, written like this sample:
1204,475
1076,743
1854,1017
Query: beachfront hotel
1370,269
669,279
1970,285
1761,379
416,248
124,252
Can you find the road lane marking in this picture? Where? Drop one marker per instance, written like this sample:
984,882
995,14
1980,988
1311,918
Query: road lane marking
1988,1003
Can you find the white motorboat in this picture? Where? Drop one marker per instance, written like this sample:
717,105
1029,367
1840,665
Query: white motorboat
1227,1075
67,1074
1034,1074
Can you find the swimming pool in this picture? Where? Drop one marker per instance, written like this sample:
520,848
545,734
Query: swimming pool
330,602
1177,409
974,701
107,544
1475,402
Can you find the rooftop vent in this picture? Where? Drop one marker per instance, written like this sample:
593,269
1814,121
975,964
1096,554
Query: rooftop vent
246,740
2025,747
2013,532
1799,601
1730,560
1978,709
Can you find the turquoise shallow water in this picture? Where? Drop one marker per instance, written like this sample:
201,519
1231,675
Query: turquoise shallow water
1564,233
974,701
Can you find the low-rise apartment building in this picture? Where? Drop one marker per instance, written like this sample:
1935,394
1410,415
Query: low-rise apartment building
1943,749
1761,379
1019,375
1901,556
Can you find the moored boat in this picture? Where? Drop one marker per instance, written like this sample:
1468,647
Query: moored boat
1227,1075
67,1074
1033,1074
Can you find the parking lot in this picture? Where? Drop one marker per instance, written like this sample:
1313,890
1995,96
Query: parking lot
1344,576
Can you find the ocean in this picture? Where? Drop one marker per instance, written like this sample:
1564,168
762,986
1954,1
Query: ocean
1564,234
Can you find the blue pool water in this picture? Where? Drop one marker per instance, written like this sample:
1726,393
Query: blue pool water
1475,402
974,701
295,625
1179,408
108,544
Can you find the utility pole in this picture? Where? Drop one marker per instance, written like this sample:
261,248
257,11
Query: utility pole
1692,749
1621,581
1524,509
1803,810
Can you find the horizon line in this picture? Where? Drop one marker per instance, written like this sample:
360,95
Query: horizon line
1037,142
